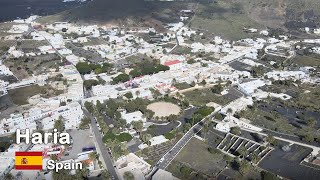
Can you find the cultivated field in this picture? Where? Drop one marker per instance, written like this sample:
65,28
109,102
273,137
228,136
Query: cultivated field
196,155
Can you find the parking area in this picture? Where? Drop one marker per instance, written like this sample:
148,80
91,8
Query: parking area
80,138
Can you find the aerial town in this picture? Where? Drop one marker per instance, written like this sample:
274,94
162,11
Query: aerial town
163,104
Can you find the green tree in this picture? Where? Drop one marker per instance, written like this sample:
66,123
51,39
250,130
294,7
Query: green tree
84,123
93,156
83,67
137,125
271,140
121,78
185,171
89,83
128,176
205,130
100,107
82,173
265,175
186,127
105,175
9,176
311,122
146,138
59,125
217,89
235,130
135,73
229,112
242,152
89,106
254,157
308,137
128,95
244,167
62,174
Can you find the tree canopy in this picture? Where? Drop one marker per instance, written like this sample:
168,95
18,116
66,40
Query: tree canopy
59,125
121,78
86,68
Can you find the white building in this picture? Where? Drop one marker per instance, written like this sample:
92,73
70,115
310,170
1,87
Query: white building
249,87
237,105
105,90
133,164
157,140
134,116
71,115
174,64
223,126
285,75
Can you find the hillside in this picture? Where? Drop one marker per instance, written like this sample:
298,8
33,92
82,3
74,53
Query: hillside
291,13
228,18
225,17
122,12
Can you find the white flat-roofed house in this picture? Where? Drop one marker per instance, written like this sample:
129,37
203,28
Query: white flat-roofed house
157,140
47,49
71,115
134,164
164,88
81,40
5,70
16,121
237,105
65,51
14,52
19,28
285,75
105,90
134,116
223,126
228,76
74,59
75,84
249,87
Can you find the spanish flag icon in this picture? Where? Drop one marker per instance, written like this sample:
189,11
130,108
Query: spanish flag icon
28,160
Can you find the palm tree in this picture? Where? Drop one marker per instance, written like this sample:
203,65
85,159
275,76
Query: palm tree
82,173
93,156
229,112
137,93
128,176
105,174
9,176
146,138
270,139
205,130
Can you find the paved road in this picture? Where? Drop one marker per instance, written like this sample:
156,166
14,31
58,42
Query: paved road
108,161
168,157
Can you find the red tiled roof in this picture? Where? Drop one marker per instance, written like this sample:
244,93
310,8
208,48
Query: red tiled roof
169,63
